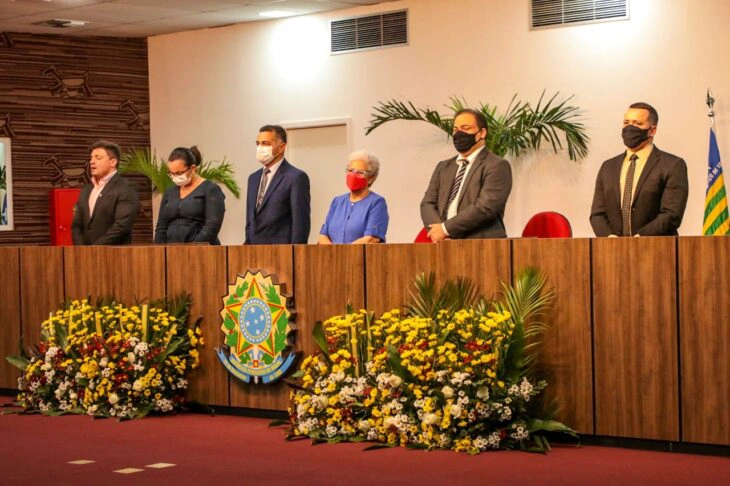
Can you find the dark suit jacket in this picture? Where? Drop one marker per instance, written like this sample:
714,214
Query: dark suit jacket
659,201
480,210
284,215
114,214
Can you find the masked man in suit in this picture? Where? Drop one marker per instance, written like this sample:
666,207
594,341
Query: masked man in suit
643,191
468,192
278,201
107,208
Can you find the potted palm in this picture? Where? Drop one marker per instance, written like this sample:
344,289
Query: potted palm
145,162
519,128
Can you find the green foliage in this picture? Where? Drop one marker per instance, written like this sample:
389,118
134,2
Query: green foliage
2,177
453,295
145,162
527,301
520,128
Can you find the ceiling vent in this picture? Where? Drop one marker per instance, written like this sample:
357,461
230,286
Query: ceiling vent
369,32
548,13
61,23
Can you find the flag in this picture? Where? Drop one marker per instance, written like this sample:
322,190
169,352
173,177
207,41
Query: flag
716,220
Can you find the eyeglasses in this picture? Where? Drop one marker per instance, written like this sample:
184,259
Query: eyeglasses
361,173
172,174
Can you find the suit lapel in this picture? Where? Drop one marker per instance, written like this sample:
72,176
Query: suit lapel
103,196
476,166
447,180
278,176
651,162
615,176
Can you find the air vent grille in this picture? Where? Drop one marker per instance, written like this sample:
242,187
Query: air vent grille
369,32
547,13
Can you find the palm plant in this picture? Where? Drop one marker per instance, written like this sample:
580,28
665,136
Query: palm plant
2,178
145,162
520,128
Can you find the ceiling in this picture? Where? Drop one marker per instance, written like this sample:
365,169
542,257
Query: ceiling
142,18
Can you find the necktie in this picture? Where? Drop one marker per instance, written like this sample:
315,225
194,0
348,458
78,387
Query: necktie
456,185
626,202
262,188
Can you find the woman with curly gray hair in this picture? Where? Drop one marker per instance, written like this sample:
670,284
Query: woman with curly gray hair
360,216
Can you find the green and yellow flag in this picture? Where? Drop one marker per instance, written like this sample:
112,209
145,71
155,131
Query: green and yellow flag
716,220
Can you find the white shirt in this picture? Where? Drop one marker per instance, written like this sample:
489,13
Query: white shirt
452,210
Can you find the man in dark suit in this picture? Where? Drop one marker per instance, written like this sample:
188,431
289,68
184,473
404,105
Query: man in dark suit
643,191
468,192
107,208
277,204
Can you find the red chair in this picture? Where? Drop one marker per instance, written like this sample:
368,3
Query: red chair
422,237
547,225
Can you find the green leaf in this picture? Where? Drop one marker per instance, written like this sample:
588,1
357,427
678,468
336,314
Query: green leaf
279,423
320,339
519,128
394,361
18,361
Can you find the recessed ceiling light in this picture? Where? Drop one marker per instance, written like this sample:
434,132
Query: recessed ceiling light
275,14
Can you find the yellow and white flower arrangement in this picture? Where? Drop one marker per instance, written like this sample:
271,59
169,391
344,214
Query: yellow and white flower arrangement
111,360
447,375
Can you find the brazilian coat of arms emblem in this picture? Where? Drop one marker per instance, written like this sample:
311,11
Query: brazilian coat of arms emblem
258,329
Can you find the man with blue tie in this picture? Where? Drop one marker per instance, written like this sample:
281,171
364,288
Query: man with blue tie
278,201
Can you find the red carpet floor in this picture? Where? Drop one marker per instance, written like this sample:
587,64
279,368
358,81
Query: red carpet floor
236,450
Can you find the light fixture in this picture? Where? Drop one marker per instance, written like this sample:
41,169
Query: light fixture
276,14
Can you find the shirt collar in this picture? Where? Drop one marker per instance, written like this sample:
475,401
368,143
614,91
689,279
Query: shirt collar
642,154
472,156
102,182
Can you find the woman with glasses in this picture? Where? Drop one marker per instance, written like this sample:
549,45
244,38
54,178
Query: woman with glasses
360,216
191,211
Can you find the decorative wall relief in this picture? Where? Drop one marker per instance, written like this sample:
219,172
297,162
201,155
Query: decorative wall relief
58,95
6,129
136,119
69,86
6,40
73,176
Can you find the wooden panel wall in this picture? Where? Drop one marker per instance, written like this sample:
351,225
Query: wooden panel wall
277,260
326,279
704,302
41,288
202,272
58,95
635,337
9,315
391,269
566,356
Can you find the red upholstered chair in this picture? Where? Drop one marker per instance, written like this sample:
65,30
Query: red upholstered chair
422,237
547,225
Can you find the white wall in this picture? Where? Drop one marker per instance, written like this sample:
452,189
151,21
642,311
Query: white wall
215,87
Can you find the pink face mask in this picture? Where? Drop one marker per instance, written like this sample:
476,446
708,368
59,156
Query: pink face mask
356,182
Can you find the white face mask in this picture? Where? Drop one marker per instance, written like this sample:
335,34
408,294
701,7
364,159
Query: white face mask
180,179
264,154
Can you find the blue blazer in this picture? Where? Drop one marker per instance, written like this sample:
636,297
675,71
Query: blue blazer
284,215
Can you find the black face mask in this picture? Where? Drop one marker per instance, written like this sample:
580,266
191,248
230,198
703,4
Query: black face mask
463,142
634,136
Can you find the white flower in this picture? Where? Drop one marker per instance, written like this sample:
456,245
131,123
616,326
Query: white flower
321,402
73,396
113,398
447,391
430,419
456,410
331,430
339,376
483,393
395,381
103,362
137,386
363,425
131,357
